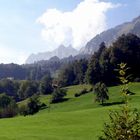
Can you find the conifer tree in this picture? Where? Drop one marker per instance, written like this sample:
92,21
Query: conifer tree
101,92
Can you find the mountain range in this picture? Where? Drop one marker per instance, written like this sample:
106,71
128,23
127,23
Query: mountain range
60,52
108,36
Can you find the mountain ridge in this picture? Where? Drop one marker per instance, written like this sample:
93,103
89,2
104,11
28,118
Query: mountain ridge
60,52
110,35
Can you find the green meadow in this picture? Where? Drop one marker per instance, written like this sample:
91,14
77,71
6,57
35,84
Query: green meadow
77,118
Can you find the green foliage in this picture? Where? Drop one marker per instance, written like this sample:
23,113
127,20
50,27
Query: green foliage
102,64
97,66
101,92
73,73
57,95
8,107
66,76
124,124
93,71
80,68
124,79
9,87
23,110
27,89
46,84
32,107
4,100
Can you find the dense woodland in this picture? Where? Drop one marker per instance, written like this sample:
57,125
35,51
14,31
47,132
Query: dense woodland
37,70
101,66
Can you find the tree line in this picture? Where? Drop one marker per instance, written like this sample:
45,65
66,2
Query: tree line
100,67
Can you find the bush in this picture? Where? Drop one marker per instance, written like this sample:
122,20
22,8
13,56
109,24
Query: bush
8,112
8,107
124,125
23,110
57,95
32,107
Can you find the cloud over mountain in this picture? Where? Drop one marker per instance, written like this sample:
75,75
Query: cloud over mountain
75,27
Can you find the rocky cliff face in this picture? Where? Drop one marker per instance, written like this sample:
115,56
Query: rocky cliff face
111,35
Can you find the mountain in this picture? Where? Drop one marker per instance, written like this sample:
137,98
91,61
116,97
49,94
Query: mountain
108,37
111,35
60,52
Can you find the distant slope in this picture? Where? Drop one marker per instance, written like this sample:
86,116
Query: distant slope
111,35
60,52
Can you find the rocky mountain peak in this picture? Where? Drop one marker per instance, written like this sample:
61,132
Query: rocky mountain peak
60,52
111,35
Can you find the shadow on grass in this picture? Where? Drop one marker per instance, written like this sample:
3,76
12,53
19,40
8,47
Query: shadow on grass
113,103
60,101
43,106
131,93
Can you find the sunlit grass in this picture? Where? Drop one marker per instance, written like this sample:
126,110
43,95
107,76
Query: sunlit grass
75,119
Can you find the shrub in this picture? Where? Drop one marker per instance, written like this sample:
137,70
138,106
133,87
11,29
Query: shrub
57,95
8,112
32,107
23,110
124,125
8,107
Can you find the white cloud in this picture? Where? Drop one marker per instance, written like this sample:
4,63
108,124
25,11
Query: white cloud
75,27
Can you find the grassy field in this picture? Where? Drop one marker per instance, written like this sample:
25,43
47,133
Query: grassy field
75,119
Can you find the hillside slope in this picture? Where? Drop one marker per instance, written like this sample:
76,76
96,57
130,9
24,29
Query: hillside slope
76,119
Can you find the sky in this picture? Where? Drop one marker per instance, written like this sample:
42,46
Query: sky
33,26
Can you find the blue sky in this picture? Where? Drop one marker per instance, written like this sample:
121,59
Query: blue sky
24,29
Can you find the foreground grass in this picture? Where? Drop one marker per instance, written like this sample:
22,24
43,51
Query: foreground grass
76,119
77,125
